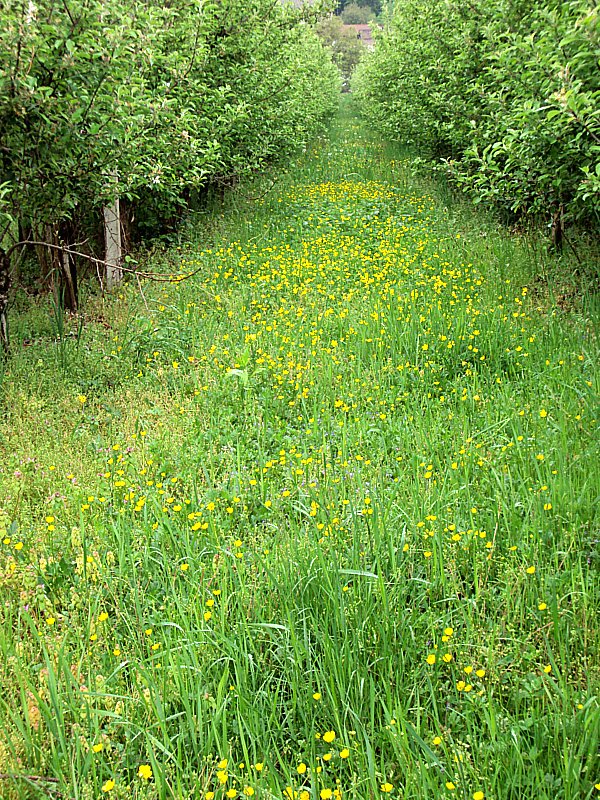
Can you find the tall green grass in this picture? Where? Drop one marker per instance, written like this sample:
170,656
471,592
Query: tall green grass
327,512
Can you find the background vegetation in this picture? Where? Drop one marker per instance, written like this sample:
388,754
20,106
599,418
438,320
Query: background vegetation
506,93
346,48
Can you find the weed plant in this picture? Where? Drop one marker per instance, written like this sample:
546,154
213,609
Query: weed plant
320,522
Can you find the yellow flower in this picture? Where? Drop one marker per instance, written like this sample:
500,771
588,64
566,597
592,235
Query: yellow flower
450,786
326,794
437,740
108,785
344,753
231,792
97,748
209,796
548,669
317,696
103,617
386,787
542,606
145,771
430,659
301,768
478,796
328,736
259,766
248,791
82,398
530,570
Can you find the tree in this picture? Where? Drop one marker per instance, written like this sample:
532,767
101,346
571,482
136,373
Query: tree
345,47
353,14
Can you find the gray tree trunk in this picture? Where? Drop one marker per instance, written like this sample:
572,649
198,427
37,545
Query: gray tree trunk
4,290
112,244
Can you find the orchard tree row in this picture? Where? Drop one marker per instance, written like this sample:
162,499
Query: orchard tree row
504,93
146,101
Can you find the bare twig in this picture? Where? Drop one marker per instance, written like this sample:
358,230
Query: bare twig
141,291
7,776
160,277
572,246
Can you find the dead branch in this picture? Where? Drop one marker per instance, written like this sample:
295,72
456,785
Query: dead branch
160,277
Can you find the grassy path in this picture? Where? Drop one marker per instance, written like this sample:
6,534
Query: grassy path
320,522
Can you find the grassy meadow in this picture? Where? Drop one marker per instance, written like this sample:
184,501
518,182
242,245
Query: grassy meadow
321,521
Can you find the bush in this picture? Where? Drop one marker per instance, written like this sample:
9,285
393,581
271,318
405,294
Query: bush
505,93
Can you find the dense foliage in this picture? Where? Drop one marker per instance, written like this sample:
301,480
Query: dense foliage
354,14
346,48
147,100
507,92
374,5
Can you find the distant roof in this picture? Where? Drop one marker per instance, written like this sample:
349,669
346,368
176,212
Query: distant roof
363,32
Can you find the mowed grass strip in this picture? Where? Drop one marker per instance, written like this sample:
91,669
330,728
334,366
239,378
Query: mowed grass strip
320,522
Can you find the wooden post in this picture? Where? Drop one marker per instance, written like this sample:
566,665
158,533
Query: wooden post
112,244
4,290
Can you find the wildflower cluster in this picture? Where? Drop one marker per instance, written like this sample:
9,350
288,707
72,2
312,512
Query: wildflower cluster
331,534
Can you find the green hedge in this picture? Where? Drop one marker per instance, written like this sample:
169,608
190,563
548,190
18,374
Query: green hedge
506,93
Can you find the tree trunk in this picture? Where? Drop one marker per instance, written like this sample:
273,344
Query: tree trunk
46,260
67,271
4,289
557,229
112,244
